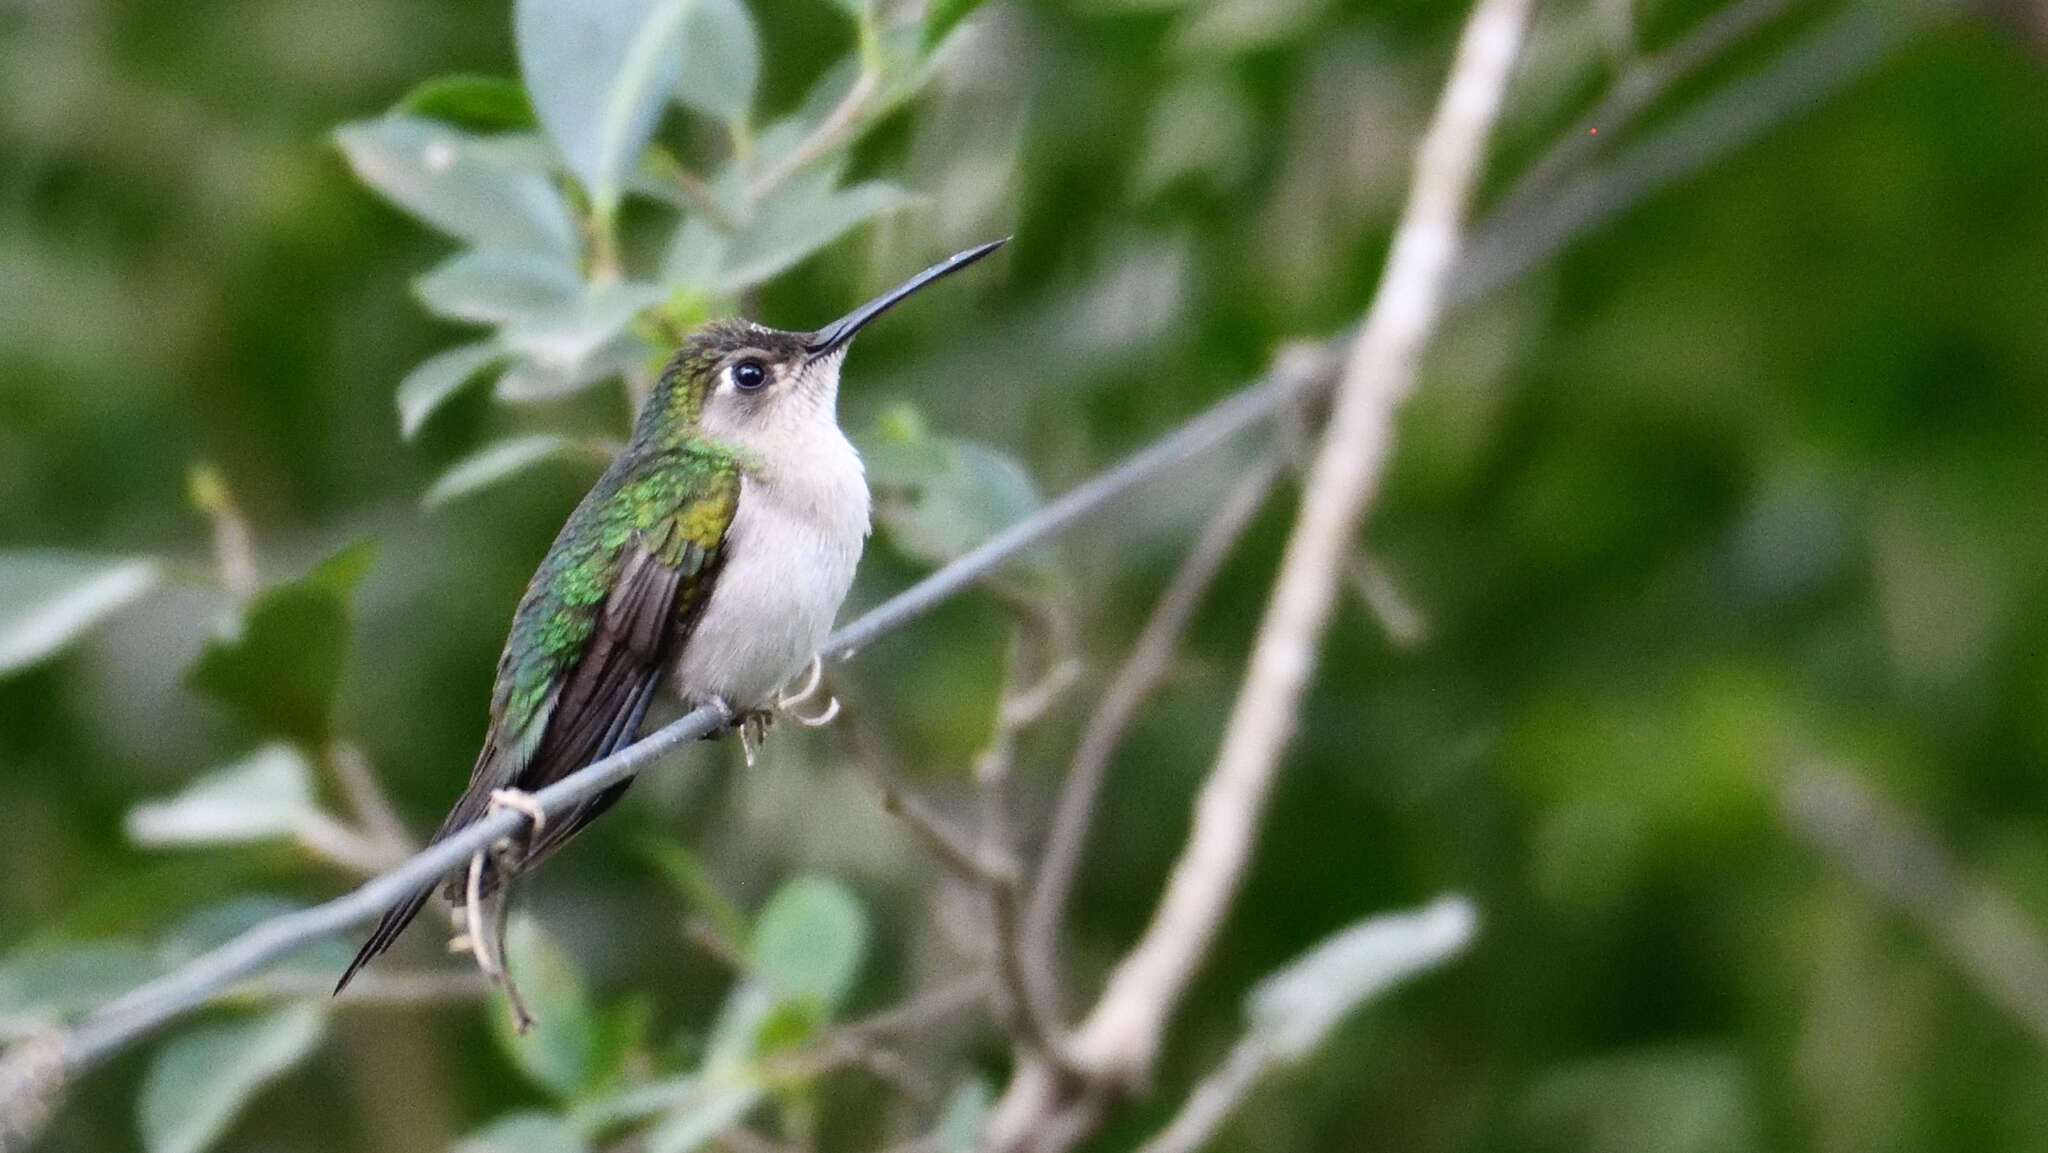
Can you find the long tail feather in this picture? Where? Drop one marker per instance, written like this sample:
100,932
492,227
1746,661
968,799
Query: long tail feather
388,929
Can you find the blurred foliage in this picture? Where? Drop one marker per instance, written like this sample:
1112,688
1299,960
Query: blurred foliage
1755,475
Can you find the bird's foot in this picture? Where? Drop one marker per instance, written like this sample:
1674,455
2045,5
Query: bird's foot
484,916
753,730
786,703
520,801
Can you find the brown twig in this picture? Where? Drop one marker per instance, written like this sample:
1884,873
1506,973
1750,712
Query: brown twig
1150,659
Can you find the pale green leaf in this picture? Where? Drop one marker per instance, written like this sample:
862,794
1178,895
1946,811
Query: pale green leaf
524,1133
474,190
809,941
599,74
493,286
493,464
1295,1008
267,795
199,1082
439,377
942,16
938,496
560,1051
39,987
47,599
798,220
579,340
964,1117
721,60
714,1109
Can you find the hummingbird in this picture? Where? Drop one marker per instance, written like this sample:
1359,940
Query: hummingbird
711,557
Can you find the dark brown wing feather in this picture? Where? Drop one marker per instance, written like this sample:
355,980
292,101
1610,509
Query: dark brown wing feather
598,711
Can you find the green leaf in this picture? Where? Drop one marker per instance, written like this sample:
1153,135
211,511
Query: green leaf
494,286
715,1108
277,670
482,103
199,1082
560,1051
938,496
495,462
721,60
1295,1008
483,192
439,377
524,1133
599,74
686,871
799,219
39,987
585,339
964,1117
808,942
49,599
945,15
268,795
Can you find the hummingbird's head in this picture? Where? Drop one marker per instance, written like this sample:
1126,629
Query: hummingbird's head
743,383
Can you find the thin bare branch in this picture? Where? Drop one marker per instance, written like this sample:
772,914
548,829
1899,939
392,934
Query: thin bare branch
1213,1101
1642,83
1896,859
1121,1036
366,797
1150,658
830,133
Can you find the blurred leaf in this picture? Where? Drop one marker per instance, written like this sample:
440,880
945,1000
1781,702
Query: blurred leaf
468,188
524,1133
439,377
861,10
693,256
493,463
492,286
47,599
800,218
945,15
278,669
736,1031
809,941
560,1051
1664,1100
482,103
964,1117
197,1083
599,74
939,496
714,1109
39,987
1293,1009
686,871
581,340
265,796
721,60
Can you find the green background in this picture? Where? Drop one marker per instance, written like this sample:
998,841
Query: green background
1752,479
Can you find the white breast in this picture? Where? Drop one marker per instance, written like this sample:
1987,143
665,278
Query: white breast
790,554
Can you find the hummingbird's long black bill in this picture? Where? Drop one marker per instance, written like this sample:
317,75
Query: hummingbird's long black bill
834,336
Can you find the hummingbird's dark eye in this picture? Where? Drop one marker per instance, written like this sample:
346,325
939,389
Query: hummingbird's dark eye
749,375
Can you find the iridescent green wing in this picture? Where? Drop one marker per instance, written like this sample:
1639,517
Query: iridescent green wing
609,613
616,597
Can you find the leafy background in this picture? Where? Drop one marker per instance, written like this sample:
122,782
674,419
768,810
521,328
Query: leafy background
1751,479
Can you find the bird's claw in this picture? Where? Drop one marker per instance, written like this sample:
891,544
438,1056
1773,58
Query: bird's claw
786,703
